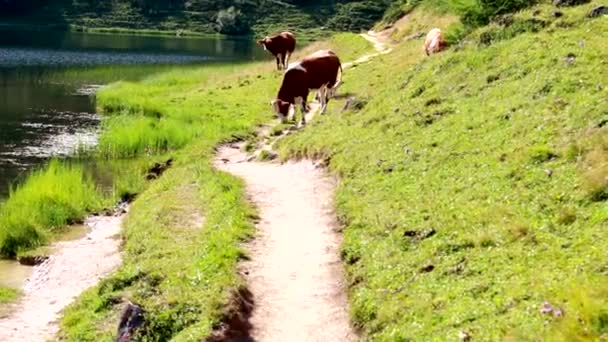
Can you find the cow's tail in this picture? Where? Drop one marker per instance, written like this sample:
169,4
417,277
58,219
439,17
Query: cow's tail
332,91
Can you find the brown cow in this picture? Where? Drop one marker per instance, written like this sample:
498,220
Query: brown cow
281,46
321,70
434,42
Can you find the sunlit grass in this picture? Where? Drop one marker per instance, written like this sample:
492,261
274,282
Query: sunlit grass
497,150
49,199
183,233
8,295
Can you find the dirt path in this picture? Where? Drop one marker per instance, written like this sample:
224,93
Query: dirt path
74,267
380,42
295,272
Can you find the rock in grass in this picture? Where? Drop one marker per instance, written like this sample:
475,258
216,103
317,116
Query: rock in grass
598,11
32,260
132,318
464,336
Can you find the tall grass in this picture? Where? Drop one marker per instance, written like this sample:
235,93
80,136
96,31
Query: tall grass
49,199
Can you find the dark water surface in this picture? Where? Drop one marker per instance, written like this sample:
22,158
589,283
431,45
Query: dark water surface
48,80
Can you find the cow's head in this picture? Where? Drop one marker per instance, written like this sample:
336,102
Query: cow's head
281,108
264,42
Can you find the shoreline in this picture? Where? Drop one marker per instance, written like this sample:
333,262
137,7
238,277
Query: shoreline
305,35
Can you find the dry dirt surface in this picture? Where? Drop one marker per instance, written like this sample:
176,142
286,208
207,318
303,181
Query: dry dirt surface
381,45
74,267
295,273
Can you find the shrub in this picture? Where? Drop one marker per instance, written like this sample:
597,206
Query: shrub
516,28
231,21
479,12
355,16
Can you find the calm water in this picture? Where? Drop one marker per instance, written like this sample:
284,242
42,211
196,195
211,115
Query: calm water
44,115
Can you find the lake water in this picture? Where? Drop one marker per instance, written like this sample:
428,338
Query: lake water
47,108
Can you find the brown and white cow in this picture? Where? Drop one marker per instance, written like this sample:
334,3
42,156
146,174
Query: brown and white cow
321,70
434,42
281,46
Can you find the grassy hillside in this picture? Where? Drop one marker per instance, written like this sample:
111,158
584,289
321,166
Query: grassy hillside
474,182
198,16
183,233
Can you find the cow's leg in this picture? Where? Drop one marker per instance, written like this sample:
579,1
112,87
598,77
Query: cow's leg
323,98
283,61
278,61
287,56
301,102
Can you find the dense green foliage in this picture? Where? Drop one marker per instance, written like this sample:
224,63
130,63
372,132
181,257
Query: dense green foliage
228,17
479,12
183,233
49,199
473,184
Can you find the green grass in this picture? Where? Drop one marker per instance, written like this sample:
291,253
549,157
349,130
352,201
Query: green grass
104,74
49,199
182,245
488,164
8,295
183,233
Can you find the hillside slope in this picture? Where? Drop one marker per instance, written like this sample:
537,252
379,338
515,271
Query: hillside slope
184,232
474,183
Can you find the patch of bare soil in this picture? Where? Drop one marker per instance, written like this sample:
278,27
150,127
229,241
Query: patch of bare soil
74,267
381,44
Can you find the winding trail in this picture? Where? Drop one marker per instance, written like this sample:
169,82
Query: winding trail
294,272
74,267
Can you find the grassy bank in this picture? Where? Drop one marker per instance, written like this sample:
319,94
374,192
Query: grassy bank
45,203
8,295
473,183
183,234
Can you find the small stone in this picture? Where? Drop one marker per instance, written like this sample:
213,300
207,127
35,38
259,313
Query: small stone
132,318
32,260
598,11
428,268
464,336
546,308
558,312
549,172
570,58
